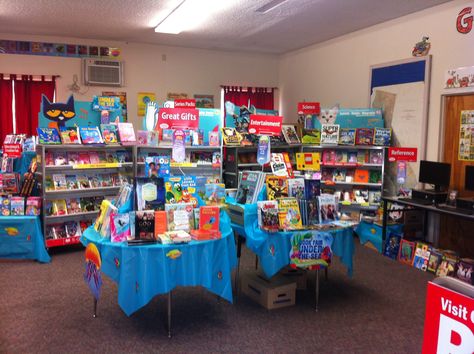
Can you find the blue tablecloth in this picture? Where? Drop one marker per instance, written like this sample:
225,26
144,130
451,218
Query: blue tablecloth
273,248
370,232
144,271
21,238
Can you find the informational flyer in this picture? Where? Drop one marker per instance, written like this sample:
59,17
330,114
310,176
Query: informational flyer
466,136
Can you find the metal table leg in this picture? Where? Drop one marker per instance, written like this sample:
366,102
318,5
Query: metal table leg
169,314
317,291
94,314
237,272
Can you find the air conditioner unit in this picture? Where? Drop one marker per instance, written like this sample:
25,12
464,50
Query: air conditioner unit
98,72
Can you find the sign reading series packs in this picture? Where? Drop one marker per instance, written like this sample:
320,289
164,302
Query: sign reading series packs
402,154
178,118
265,125
309,108
185,103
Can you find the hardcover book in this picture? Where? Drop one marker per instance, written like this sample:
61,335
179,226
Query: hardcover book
127,134
392,245
361,176
94,157
90,135
435,260
250,184
268,215
277,187
327,208
296,188
364,136
209,218
422,255
312,188
167,137
161,222
382,136
215,194
289,214
289,132
60,183
150,193
69,135
120,227
347,136
180,216
312,211
48,136
406,252
311,136
109,133
60,159
329,134
17,206
376,157
145,225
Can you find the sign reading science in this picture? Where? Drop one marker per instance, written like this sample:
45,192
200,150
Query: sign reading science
178,118
265,125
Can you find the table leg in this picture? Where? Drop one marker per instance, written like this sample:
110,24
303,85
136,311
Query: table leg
94,314
256,262
169,314
237,272
317,291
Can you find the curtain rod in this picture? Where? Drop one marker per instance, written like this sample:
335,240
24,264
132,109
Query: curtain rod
34,75
275,88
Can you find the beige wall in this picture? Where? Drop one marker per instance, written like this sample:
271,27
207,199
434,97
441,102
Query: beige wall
337,71
192,71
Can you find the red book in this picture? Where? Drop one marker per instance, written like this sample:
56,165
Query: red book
209,218
204,235
161,225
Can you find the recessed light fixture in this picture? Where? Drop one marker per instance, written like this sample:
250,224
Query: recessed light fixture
270,6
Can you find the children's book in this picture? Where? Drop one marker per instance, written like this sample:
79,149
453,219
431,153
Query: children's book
69,135
311,136
49,158
362,157
119,227
277,187
308,161
361,176
161,222
59,231
90,135
71,182
17,206
33,206
339,175
124,156
84,158
106,180
289,132
329,134
329,157
447,266
60,159
83,181
158,166
150,193
281,165
185,189
59,181
375,176
296,188
72,158
73,205
312,212
214,138
231,136
215,194
109,133
167,137
268,215
392,245
289,214
48,136
4,206
180,216
375,197
341,157
209,218
352,157
73,229
95,181
94,157
327,208
382,136
422,255
145,225
84,224
250,184
127,134
312,188
464,270
59,207
111,157
364,136
347,136
436,256
406,252
142,137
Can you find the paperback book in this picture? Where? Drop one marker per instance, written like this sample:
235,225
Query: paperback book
329,134
126,134
289,132
364,136
69,135
406,252
109,133
73,206
347,136
382,136
17,206
277,187
327,208
296,188
120,227
422,255
289,214
59,181
312,211
268,215
180,216
48,136
90,135
150,193
250,184
312,188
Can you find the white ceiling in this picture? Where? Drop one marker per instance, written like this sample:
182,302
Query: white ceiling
293,25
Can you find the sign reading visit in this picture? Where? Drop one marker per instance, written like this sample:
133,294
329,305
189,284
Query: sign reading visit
265,125
178,118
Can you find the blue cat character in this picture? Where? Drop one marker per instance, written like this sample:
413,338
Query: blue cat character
59,113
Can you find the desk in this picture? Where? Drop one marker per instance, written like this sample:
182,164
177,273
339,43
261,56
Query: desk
21,238
425,208
143,271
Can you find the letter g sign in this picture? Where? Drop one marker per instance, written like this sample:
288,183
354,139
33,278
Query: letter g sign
463,22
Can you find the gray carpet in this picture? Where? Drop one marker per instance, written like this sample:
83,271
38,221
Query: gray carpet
46,308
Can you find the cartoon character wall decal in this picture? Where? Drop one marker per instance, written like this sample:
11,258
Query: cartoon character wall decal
58,113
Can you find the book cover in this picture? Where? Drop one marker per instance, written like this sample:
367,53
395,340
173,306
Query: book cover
69,135
327,208
111,157
406,252
48,136
127,134
308,161
59,207
277,187
341,157
361,176
60,159
231,136
106,180
90,135
376,157
312,211
59,231
392,245
72,158
312,188
214,138
375,197
250,184
161,222
339,175
347,136
382,136
289,132
95,181
362,157
364,136
435,260
142,137
33,206
94,157
289,214
158,166
421,257
215,194
124,156
84,158
352,157
49,158
329,134
4,206
167,137
72,229
464,270
88,204
329,157
119,227
153,138
144,224
71,182
209,218
268,215
83,181
311,136
150,193
180,216
73,205
375,176
185,189
17,206
296,188
109,133
447,266
59,181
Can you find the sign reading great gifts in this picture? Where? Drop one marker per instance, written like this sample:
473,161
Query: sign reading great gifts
265,125
310,248
402,154
178,118
309,108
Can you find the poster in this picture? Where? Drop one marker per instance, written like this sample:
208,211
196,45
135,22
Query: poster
466,136
142,99
460,77
176,96
204,101
123,101
311,248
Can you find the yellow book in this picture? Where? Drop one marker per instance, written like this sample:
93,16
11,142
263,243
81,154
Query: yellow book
308,161
289,214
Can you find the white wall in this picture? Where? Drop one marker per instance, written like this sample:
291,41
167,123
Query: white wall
192,71
337,71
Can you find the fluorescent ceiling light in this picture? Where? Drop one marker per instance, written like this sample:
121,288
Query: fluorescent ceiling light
190,14
270,6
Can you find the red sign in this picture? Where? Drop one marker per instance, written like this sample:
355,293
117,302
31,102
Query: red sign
309,108
184,103
464,22
265,125
402,154
12,150
178,118
449,321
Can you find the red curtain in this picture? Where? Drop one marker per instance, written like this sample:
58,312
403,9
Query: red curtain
260,97
6,114
28,93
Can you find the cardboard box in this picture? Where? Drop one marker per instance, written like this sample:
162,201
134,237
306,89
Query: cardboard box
297,275
274,293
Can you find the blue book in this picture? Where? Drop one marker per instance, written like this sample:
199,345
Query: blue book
312,188
48,136
90,135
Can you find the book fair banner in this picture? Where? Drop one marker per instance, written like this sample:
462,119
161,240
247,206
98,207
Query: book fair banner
310,249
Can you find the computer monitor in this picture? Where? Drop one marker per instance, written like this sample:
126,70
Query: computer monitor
435,173
469,178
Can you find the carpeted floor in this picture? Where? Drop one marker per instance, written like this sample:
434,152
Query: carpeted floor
47,308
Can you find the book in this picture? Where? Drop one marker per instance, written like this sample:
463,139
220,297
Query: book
382,136
48,136
327,208
161,222
71,182
33,206
123,156
59,207
339,175
231,136
72,229
289,132
69,135
73,206
329,134
84,158
59,181
102,223
145,225
250,184
72,158
95,181
126,134
58,231
167,137
434,260
142,137
421,257
375,197
150,193
4,206
209,219
392,245
17,206
90,135
105,180
311,136
447,266
180,216
406,252
464,270
120,227
347,136
364,136
312,188
312,212
308,161
153,138
83,181
49,158
361,176
267,216
60,159
214,138
178,236
94,157
158,166
277,187
352,157
375,176
109,133
341,157
279,166
215,194
289,214
296,188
